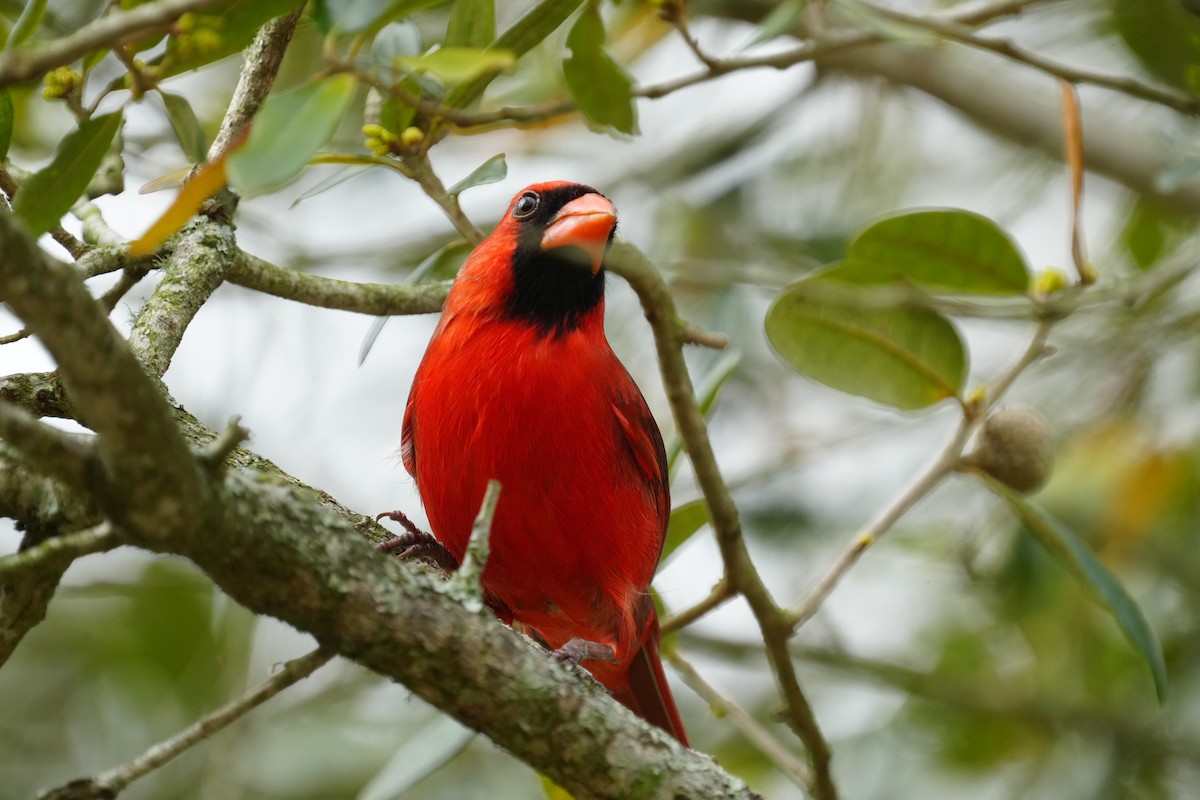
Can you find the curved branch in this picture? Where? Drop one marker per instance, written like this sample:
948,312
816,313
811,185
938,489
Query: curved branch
380,299
144,458
108,31
659,307
110,783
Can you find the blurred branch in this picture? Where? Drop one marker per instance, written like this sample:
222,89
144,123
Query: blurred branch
956,31
659,307
62,455
114,28
57,552
421,170
380,299
1022,106
111,783
754,731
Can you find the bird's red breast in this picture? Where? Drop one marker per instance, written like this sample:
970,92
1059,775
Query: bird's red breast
519,384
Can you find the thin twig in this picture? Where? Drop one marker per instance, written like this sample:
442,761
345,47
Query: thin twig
112,782
659,308
421,171
721,592
751,728
467,579
23,63
58,551
955,30
942,466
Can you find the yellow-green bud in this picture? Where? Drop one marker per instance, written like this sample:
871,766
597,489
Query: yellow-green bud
412,136
61,82
1049,281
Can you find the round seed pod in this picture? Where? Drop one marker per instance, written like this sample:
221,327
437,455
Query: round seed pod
1015,448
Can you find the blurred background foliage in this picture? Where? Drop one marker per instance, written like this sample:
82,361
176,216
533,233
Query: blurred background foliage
957,659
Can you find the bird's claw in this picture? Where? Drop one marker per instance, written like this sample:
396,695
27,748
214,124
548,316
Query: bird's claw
416,543
577,650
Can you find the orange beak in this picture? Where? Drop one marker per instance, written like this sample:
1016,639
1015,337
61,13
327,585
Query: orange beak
585,223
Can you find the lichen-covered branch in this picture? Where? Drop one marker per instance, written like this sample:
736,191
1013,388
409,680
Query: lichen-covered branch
146,464
196,267
262,57
380,299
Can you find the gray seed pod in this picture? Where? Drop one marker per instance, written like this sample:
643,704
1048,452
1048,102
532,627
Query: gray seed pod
1015,448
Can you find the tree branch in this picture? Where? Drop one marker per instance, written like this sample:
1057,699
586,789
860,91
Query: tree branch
379,299
56,553
147,467
283,550
659,307
262,60
115,28
110,783
943,465
67,457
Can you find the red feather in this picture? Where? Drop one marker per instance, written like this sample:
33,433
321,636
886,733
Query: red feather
519,384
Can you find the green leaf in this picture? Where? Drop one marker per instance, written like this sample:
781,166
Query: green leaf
398,9
538,23
685,521
348,16
426,751
50,193
395,39
942,250
491,171
458,64
225,32
831,331
1153,230
186,127
600,87
337,178
1163,36
288,130
28,23
784,18
472,23
6,122
1078,559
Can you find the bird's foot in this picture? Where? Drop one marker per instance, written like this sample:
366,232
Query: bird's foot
577,650
416,543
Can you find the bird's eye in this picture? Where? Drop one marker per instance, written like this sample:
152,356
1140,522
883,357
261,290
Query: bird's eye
525,206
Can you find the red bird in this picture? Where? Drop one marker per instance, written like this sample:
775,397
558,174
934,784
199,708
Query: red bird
519,384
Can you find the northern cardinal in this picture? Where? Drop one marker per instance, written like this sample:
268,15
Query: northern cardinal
519,384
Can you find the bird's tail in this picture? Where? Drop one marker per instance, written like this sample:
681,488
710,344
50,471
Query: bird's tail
647,693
